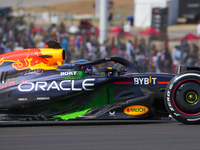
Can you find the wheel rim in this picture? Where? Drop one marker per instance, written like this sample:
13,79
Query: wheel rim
186,97
191,97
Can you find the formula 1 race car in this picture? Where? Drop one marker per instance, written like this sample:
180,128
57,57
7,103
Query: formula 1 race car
36,84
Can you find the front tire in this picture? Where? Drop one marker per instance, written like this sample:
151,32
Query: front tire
182,97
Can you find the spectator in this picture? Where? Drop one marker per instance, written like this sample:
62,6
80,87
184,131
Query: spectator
89,49
167,61
8,49
3,47
41,44
193,58
141,61
17,47
103,50
176,57
130,51
1,50
92,49
122,51
198,28
77,47
64,42
154,62
186,51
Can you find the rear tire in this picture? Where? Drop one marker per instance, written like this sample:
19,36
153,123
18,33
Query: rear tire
182,97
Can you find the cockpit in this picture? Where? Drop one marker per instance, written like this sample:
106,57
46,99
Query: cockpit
113,66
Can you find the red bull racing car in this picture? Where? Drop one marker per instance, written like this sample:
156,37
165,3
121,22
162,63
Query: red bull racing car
36,84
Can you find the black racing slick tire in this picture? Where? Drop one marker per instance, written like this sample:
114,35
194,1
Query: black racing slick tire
182,97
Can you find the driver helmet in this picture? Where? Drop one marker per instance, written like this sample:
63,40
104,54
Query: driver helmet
87,69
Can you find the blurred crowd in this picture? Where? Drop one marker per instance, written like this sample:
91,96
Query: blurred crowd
85,45
166,61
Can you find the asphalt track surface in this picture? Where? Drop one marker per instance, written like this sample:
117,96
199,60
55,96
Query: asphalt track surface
99,135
